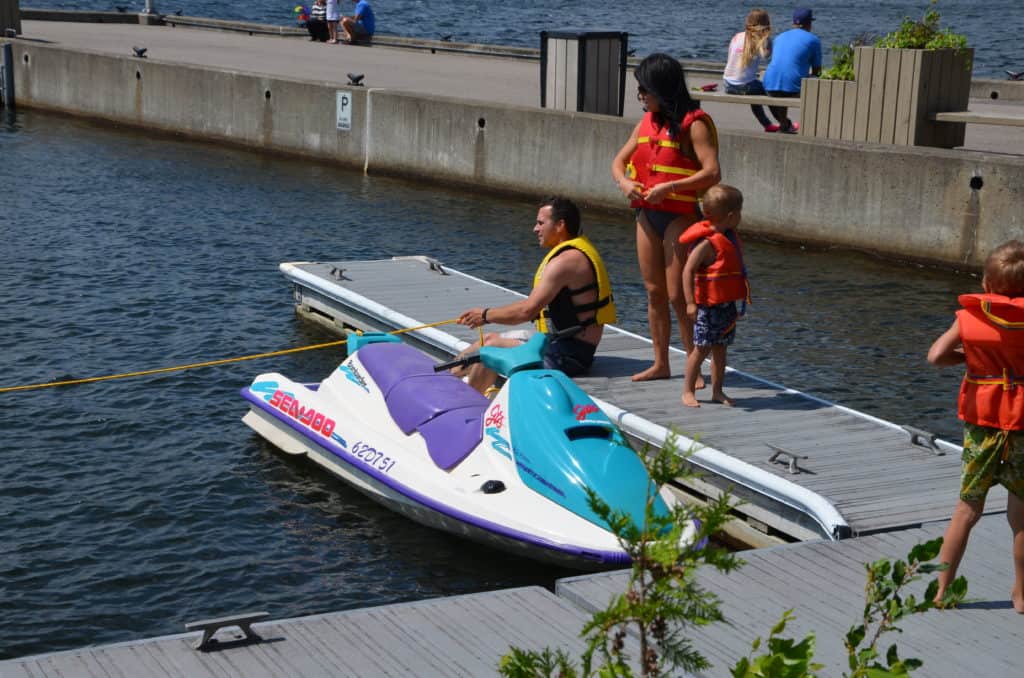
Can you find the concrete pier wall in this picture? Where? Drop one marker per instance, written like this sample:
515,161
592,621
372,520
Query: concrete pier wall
293,116
906,202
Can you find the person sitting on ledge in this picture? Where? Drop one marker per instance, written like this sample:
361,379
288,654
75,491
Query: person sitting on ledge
796,54
360,26
316,24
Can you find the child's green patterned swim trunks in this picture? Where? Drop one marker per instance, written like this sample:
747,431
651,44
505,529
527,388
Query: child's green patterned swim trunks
991,456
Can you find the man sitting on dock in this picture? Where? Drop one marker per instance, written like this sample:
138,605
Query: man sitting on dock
570,288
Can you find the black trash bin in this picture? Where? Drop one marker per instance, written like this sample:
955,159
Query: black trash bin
583,71
10,18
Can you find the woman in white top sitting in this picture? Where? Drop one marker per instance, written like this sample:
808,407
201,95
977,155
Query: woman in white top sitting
747,51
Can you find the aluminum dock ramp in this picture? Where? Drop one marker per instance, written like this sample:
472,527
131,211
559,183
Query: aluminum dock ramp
840,473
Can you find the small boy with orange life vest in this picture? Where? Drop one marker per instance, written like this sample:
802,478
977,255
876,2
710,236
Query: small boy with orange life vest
988,335
714,279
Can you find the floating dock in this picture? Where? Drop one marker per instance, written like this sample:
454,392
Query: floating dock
806,468
863,489
467,635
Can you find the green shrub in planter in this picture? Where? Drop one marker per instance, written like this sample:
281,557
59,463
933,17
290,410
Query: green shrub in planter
922,34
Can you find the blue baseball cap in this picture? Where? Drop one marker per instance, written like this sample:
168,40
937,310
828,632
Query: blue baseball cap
802,15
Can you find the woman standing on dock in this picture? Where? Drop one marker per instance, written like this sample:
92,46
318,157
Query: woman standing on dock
670,158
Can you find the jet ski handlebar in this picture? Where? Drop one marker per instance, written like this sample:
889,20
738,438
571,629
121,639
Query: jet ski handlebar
464,361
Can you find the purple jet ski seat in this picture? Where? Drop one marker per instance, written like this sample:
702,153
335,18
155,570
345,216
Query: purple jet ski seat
446,411
390,363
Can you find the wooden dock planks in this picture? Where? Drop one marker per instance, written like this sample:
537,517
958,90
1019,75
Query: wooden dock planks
456,636
822,580
824,583
868,469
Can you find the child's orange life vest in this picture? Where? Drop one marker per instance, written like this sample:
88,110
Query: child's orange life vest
992,333
725,279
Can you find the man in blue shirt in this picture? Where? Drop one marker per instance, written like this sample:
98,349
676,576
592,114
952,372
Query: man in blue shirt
795,55
361,25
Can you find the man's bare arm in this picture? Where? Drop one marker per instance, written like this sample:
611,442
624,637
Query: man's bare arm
557,274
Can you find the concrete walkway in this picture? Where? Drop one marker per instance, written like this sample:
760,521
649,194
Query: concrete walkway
494,79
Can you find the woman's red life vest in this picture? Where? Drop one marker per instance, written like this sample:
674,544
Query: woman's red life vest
992,333
659,158
726,278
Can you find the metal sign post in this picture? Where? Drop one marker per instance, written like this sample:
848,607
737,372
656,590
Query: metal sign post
7,76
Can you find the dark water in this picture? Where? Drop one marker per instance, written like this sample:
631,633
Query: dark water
693,30
130,507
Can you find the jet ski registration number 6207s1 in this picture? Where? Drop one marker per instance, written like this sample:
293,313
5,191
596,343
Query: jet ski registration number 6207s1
373,457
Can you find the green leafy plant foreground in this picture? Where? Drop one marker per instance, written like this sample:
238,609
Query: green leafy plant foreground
885,605
663,600
785,658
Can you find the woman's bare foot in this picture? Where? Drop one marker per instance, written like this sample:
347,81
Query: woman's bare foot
700,383
690,400
721,398
1018,601
653,372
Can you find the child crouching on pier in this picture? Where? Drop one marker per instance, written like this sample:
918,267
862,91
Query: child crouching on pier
714,279
988,335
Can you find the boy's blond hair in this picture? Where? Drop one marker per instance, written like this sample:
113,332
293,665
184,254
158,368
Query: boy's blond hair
722,199
1004,270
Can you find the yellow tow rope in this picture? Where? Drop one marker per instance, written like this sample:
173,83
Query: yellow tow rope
211,363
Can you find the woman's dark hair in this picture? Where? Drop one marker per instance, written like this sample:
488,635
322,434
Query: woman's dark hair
661,76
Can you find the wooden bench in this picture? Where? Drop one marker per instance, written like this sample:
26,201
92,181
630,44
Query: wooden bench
749,99
978,118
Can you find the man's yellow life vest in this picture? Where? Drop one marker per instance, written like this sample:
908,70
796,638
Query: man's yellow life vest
561,312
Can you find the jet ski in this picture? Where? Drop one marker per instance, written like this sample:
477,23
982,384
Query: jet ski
508,472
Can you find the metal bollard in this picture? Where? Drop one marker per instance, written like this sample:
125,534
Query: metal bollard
7,76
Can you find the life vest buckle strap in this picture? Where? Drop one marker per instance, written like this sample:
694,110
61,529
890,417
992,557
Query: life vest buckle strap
585,288
592,305
1007,380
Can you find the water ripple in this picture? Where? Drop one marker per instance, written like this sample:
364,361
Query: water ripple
687,30
130,507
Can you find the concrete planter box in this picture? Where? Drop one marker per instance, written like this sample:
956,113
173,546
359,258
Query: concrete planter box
891,97
10,16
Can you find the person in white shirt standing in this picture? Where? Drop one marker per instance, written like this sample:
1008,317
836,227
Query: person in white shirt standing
333,17
748,49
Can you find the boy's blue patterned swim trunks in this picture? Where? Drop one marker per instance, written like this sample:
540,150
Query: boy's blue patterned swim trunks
715,324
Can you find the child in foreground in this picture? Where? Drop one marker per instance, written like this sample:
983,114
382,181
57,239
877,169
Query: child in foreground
988,335
714,279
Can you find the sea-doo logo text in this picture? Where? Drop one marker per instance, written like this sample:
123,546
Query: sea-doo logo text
353,375
291,406
496,417
583,410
